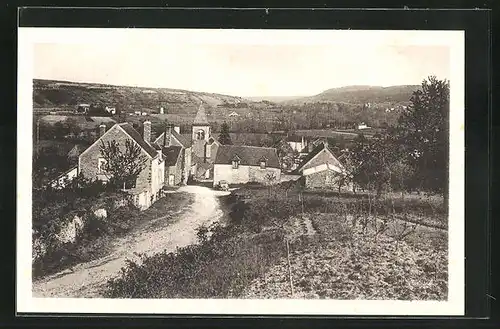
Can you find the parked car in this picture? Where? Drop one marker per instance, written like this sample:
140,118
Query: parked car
223,185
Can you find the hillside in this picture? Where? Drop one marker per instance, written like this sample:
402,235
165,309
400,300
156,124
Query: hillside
338,108
63,94
360,95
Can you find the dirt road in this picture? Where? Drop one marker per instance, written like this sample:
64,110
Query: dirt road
88,279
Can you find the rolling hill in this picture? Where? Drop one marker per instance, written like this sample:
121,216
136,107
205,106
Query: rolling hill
64,94
336,108
359,95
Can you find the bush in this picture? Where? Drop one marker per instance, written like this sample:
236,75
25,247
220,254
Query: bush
220,266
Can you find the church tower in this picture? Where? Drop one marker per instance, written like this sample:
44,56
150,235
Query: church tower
201,132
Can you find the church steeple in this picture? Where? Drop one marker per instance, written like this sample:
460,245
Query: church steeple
200,132
201,117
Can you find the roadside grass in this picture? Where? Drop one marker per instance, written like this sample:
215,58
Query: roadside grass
219,267
95,240
351,247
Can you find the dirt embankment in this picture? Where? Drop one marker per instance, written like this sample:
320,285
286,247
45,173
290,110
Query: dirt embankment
88,279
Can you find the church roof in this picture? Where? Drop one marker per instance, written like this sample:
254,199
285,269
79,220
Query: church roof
201,117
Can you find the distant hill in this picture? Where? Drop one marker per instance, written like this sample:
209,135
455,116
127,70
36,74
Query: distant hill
360,95
64,94
274,99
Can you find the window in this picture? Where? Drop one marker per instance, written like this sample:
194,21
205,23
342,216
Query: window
100,165
236,161
263,162
200,135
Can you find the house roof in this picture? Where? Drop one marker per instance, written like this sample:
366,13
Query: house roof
196,159
138,139
314,152
213,140
201,117
295,138
183,140
248,155
171,154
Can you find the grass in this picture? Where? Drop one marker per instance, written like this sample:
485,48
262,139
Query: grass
343,261
338,254
217,268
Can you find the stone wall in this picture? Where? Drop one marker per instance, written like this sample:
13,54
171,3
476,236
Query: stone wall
88,160
256,174
243,174
230,175
322,179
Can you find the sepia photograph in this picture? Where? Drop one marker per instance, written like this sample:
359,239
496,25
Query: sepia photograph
241,171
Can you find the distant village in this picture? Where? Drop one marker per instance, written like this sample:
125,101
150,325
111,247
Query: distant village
177,158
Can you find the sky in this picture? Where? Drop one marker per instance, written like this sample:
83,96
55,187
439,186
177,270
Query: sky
241,69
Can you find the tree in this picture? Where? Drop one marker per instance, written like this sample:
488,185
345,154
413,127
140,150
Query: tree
224,137
425,133
122,166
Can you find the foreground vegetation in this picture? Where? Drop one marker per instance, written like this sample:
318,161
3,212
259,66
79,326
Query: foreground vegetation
55,210
339,246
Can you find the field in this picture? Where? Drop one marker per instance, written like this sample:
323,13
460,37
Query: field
336,108
281,242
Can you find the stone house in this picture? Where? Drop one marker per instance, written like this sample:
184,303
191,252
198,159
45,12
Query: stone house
298,143
150,180
244,164
321,168
174,165
177,149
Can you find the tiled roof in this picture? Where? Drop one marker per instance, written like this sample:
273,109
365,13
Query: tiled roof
185,142
248,155
315,152
138,138
171,154
201,117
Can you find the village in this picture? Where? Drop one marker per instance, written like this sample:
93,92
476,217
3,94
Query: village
141,185
288,178
198,157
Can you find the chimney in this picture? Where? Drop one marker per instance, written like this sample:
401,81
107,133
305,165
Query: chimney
208,152
168,135
147,131
177,129
102,130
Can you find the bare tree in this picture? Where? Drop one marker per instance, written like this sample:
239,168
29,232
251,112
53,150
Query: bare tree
122,165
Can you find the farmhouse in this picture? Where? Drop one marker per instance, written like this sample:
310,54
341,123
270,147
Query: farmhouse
244,164
177,152
362,126
298,143
320,168
233,114
83,108
61,180
147,186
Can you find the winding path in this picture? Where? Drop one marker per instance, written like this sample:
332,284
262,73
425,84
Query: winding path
88,279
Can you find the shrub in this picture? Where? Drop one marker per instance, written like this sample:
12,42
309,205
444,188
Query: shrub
221,265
